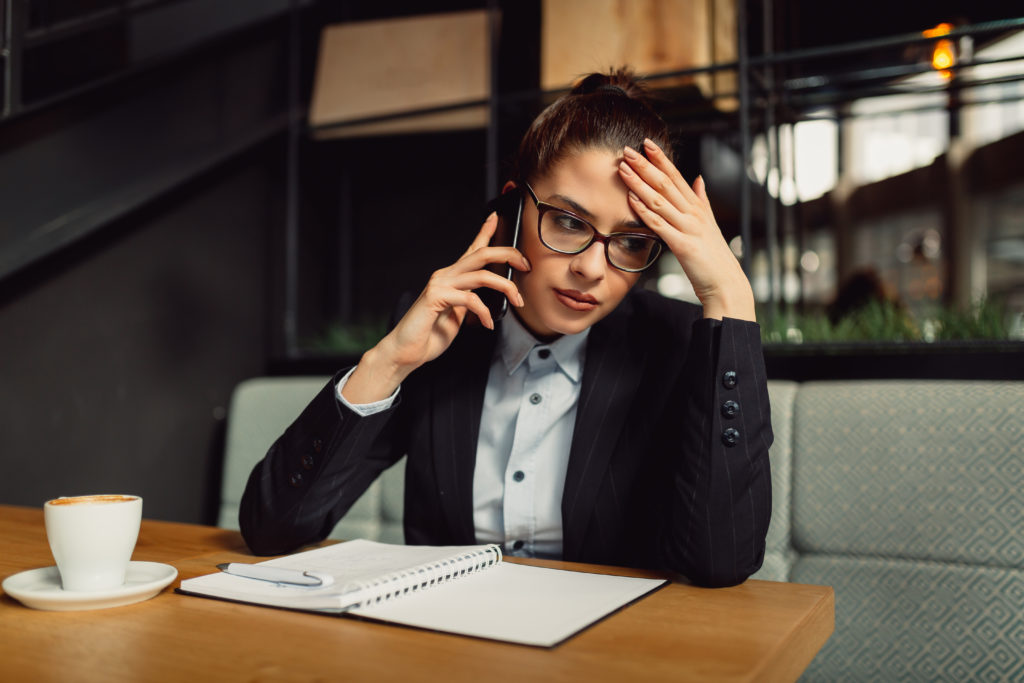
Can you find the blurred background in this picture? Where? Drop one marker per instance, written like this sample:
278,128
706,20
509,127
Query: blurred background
193,192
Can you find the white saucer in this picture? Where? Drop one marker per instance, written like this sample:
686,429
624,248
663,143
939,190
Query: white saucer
41,588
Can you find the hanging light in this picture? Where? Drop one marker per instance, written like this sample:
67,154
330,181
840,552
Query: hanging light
944,52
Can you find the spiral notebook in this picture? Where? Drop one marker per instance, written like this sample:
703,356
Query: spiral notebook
466,590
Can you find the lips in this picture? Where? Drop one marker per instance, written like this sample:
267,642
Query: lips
577,301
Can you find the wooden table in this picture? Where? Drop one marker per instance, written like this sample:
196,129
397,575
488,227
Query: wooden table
761,631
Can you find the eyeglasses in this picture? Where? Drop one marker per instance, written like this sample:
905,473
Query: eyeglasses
565,232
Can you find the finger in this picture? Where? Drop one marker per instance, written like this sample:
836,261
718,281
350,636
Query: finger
663,176
673,212
503,285
653,185
701,190
668,231
658,159
485,256
474,303
464,280
443,299
485,278
483,238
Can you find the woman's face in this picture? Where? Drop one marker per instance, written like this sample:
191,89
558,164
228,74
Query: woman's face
564,293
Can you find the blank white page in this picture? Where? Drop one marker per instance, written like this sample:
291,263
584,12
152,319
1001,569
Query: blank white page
515,603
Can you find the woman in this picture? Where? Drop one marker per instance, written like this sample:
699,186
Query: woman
596,423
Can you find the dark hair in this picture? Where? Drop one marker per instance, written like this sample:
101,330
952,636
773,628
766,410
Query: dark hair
607,111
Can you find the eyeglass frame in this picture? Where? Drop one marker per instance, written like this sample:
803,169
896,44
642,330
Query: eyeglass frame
595,234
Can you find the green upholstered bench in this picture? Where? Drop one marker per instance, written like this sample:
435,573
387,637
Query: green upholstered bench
906,496
261,409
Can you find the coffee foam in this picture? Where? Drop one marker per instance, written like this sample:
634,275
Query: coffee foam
98,499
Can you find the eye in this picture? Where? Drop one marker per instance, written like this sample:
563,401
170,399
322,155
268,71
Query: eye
570,223
634,244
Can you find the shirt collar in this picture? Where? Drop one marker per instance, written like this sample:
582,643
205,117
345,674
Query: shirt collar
516,342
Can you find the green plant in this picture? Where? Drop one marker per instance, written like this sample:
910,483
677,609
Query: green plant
986,320
887,322
348,339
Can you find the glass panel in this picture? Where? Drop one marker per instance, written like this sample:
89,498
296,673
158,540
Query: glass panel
52,68
1001,216
46,13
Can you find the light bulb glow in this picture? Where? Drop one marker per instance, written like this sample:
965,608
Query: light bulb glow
944,52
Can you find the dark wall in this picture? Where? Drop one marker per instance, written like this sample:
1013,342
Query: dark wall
141,224
120,355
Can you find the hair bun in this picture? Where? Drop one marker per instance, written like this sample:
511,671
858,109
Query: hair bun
618,82
603,110
609,87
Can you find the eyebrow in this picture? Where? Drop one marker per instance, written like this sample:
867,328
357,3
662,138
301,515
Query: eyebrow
577,208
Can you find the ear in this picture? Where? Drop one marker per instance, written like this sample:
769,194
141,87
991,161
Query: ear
509,186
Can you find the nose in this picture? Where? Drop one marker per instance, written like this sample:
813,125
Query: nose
590,264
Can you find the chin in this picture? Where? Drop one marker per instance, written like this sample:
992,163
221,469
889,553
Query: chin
564,326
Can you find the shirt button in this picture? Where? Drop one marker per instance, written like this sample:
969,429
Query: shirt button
308,461
730,409
730,436
518,545
729,379
535,399
318,445
295,480
519,476
544,353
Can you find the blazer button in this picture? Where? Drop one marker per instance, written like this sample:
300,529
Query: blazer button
318,445
308,461
730,409
730,436
729,379
295,480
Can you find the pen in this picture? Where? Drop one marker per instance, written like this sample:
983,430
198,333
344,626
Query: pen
292,577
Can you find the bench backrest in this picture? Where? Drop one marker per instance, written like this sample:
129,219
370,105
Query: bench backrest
261,409
908,498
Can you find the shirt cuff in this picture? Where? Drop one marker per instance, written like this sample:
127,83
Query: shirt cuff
364,409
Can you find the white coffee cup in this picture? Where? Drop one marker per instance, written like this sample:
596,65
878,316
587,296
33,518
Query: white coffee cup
92,539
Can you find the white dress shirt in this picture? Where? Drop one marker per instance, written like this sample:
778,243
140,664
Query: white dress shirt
525,434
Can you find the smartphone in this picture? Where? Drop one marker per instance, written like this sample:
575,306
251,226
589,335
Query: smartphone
509,207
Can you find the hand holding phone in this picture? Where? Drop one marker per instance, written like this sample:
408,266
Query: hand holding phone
433,320
509,207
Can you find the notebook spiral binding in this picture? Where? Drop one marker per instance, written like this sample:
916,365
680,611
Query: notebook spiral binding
396,584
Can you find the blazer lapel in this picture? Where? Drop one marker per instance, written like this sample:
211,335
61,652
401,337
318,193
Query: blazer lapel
612,371
457,405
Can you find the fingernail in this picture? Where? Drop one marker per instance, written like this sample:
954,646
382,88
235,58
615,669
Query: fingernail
527,262
630,153
625,169
649,144
522,302
632,195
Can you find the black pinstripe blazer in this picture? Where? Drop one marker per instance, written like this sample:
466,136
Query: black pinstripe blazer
668,466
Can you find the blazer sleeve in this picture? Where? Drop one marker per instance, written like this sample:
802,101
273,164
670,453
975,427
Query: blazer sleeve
720,505
314,472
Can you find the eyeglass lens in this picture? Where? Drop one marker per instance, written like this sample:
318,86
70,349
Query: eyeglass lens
565,233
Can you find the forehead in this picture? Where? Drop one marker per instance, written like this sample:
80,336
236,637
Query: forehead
590,174
589,179
593,165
